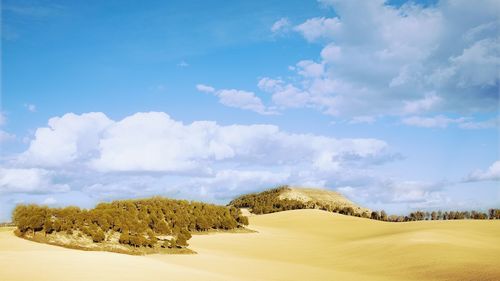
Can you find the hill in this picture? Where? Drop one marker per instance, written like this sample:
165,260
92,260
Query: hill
290,198
128,226
289,245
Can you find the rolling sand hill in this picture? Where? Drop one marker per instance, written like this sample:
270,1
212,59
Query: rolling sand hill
285,198
322,196
291,245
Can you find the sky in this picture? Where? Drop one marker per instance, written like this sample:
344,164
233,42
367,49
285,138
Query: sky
395,104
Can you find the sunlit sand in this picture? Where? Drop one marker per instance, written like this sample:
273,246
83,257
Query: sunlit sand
291,245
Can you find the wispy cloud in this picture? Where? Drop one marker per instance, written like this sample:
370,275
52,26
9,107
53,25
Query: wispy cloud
490,174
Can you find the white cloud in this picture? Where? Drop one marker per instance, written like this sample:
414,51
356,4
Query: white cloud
478,64
270,85
183,64
3,119
363,119
439,121
150,153
442,121
319,28
29,181
49,201
242,99
331,53
486,124
66,139
226,184
153,142
238,99
308,68
412,191
289,96
5,136
281,25
427,103
384,65
491,174
30,107
412,194
205,88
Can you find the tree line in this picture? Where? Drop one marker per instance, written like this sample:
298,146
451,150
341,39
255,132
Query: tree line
492,214
139,222
269,202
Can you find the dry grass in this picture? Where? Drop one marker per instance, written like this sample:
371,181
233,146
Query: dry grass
77,241
323,196
292,245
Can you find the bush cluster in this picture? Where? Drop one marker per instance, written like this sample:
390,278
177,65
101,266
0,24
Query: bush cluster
269,202
438,215
139,222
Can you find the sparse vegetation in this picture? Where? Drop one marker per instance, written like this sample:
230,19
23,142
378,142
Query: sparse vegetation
138,223
439,215
269,201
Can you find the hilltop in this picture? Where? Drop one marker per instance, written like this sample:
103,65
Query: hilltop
290,198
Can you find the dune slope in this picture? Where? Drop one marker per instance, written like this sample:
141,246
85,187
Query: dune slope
291,245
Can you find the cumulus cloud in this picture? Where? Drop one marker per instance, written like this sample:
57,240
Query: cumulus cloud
49,201
164,144
281,25
421,105
29,181
244,100
205,88
439,121
150,153
385,65
238,99
66,139
491,174
413,194
319,28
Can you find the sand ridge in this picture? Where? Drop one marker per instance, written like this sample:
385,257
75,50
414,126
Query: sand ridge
291,245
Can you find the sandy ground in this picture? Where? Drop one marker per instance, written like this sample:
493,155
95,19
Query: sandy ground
293,245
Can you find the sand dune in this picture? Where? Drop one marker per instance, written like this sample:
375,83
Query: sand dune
292,245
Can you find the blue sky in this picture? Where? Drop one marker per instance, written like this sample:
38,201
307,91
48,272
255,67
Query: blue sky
395,104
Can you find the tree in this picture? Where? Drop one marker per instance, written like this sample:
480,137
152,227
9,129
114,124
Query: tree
183,237
97,235
434,215
383,215
48,225
124,238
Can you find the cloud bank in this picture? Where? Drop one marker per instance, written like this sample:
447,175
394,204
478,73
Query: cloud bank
149,152
382,60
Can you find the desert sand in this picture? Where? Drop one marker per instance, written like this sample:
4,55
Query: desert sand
292,245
